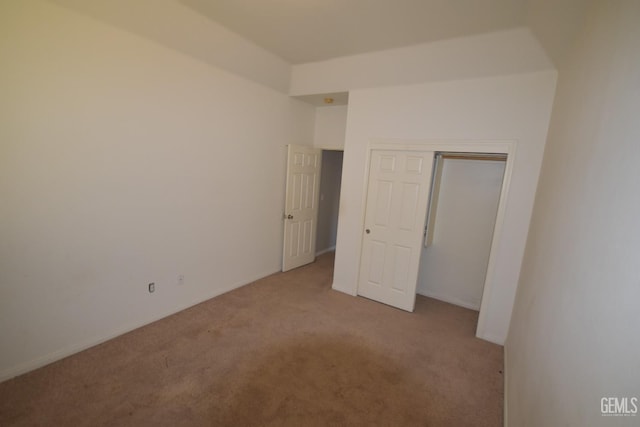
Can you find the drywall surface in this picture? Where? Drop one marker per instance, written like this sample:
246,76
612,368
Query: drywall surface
124,163
331,175
331,126
454,266
501,53
500,108
174,24
574,334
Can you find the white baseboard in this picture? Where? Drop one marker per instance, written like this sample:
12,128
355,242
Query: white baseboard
324,251
344,289
39,362
450,300
492,339
504,388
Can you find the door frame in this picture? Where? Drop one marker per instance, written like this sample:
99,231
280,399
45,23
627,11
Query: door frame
508,147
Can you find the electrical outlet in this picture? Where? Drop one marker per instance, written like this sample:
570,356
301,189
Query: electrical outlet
180,279
152,287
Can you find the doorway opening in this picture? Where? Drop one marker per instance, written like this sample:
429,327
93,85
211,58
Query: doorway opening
329,201
312,197
461,219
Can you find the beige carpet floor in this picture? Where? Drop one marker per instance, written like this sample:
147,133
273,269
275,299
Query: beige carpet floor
283,351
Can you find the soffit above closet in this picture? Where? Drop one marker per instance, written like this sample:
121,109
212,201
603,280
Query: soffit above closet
326,99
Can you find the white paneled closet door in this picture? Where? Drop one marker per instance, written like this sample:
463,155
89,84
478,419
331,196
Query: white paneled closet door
397,196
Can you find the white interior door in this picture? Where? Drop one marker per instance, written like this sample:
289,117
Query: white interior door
301,206
397,197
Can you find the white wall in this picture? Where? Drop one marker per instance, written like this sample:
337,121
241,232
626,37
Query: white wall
331,176
494,54
122,163
330,127
513,107
453,268
574,333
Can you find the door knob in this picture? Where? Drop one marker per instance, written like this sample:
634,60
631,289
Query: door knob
289,216
367,231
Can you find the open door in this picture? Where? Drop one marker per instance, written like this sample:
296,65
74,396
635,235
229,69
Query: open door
301,206
397,197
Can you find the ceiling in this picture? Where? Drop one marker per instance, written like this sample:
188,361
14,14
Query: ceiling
225,33
302,31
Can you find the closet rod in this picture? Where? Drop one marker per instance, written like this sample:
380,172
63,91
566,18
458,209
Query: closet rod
474,156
